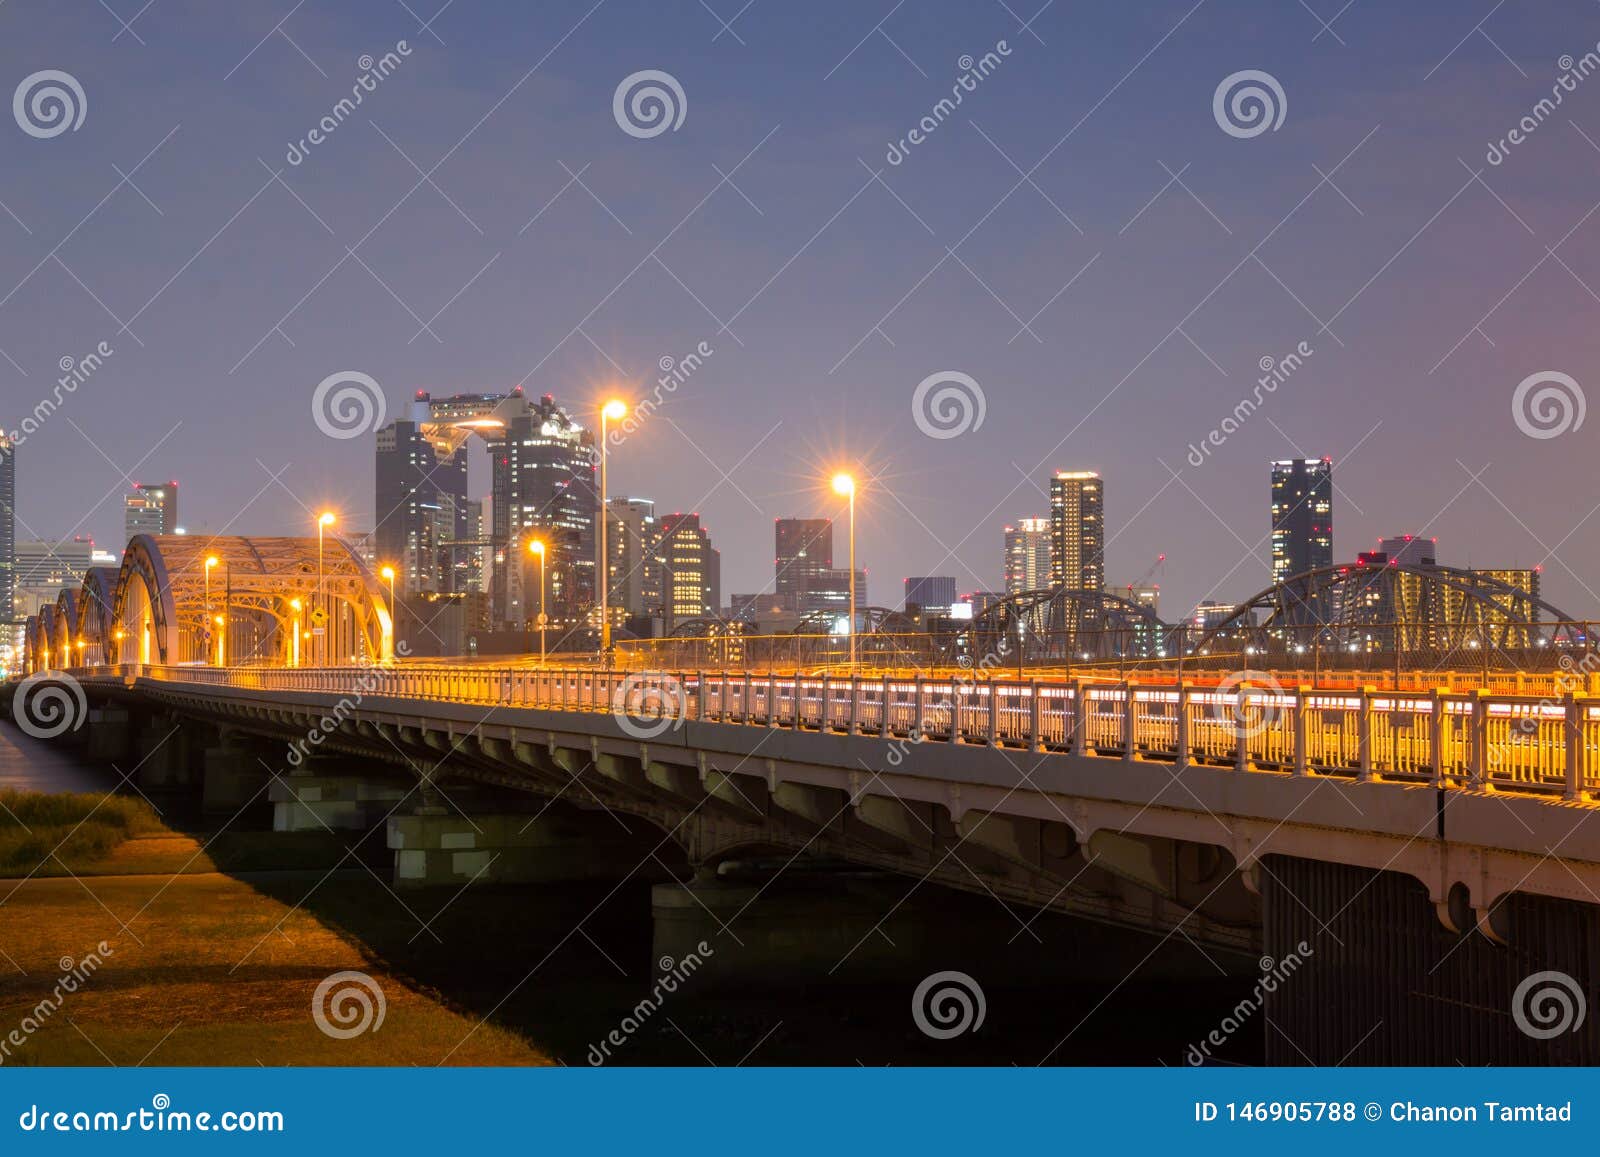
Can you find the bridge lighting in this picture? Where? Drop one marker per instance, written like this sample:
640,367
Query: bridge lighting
612,411
536,548
324,520
845,486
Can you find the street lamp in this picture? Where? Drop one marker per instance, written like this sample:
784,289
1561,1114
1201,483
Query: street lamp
536,548
612,410
846,485
211,561
294,650
324,520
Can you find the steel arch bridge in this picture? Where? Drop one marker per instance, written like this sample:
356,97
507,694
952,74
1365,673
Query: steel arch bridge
1393,608
1063,624
187,599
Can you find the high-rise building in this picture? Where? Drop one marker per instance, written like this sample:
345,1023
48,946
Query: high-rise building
152,508
8,547
45,569
1409,549
1077,530
931,592
630,556
829,590
421,499
545,487
690,570
1302,516
1027,562
804,549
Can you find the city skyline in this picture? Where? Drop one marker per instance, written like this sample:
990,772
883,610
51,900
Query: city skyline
809,386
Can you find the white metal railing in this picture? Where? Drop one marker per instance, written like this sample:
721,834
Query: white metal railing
1445,738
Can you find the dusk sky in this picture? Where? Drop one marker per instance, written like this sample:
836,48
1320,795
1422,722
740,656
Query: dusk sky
1113,306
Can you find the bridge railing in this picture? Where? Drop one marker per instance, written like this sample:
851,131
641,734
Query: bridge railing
1444,738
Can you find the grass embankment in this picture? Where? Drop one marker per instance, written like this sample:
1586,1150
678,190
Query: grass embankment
200,967
37,829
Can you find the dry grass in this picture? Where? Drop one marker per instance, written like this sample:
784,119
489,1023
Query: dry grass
75,830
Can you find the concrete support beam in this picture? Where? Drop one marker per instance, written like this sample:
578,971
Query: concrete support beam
821,805
111,734
309,801
1142,861
232,775
915,827
744,792
513,848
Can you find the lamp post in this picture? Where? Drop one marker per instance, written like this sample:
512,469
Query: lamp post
205,615
536,548
612,410
294,646
846,485
324,520
394,612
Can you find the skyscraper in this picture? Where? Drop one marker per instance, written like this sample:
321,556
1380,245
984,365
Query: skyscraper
421,498
1027,562
829,590
545,487
690,569
804,549
8,544
1077,530
630,547
1302,516
932,592
152,508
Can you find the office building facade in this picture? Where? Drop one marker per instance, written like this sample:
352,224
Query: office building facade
1027,558
150,508
1077,530
803,549
931,592
1302,516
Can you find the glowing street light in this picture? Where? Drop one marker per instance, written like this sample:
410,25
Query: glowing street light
845,485
294,651
536,548
211,562
613,410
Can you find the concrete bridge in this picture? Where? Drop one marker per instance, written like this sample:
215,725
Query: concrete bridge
1431,849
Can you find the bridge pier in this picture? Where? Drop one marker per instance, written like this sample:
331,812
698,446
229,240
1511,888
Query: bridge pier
163,753
433,849
233,772
319,795
111,733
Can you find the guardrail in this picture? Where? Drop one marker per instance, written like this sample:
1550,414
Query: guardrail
1447,739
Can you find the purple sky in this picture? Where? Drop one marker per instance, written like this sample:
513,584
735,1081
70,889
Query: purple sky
551,248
